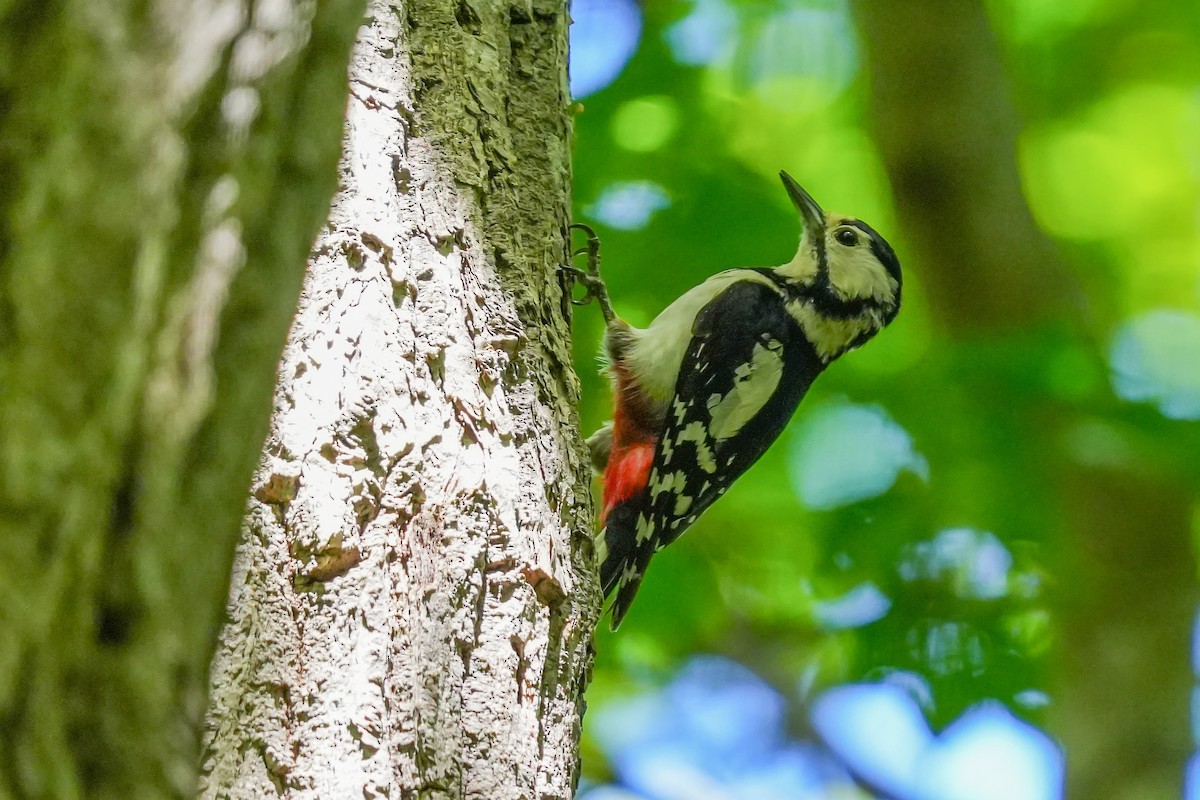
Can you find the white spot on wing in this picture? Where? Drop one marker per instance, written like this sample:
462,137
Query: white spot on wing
680,410
673,482
644,529
695,432
667,450
753,385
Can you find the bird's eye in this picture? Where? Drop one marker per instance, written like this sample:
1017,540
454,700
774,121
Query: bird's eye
847,237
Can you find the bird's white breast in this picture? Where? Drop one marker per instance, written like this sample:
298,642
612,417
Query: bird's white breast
658,350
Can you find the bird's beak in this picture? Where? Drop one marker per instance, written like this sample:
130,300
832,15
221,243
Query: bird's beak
810,212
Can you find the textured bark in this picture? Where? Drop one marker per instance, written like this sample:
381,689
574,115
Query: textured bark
163,168
948,134
414,598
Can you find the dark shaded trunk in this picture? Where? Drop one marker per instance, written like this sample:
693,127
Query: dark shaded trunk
163,169
947,130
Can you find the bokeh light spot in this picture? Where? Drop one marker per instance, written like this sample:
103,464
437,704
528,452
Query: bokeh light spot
715,731
877,729
948,647
1196,646
975,564
1191,779
607,793
1033,20
1031,632
1032,698
844,453
604,36
986,753
1120,167
705,35
629,205
860,606
645,124
1154,359
804,54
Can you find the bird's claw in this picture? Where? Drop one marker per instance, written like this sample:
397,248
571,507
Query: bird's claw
590,278
591,283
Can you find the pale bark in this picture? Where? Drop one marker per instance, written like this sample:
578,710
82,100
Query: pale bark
414,598
163,168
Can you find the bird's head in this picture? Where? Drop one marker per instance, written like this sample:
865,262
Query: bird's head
846,274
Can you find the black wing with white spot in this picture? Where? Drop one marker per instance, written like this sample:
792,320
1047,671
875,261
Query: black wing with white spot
746,369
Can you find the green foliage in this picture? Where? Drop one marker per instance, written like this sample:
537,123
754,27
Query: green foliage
1081,498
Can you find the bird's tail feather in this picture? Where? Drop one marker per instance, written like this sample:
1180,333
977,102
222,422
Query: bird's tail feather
622,563
624,599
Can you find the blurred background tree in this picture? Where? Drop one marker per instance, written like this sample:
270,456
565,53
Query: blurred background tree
968,565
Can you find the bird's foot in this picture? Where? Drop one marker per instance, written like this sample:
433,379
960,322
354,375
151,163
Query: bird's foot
590,278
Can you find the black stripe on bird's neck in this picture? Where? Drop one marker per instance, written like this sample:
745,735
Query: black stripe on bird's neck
818,292
829,304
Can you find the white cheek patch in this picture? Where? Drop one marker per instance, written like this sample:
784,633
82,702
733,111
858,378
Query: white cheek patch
855,274
754,384
829,336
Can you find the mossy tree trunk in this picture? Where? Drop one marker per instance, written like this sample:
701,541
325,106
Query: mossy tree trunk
163,169
414,597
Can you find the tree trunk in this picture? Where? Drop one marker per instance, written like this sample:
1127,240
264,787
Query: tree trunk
414,596
157,197
947,130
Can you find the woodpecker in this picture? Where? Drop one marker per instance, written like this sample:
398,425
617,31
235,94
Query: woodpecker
701,393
